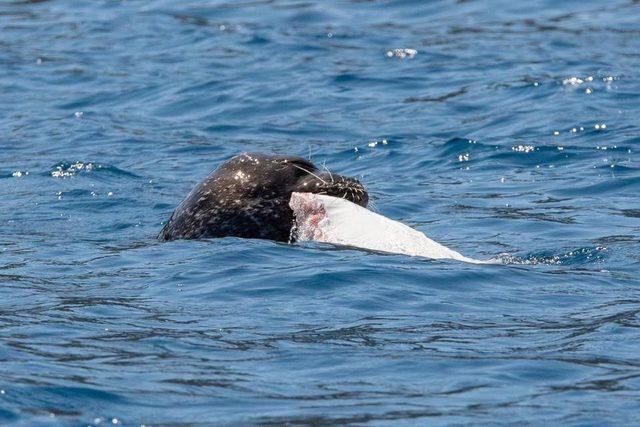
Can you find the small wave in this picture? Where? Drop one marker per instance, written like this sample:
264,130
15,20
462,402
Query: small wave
454,146
66,170
15,174
402,53
579,256
70,169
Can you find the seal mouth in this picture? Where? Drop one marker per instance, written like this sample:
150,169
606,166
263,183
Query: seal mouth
336,186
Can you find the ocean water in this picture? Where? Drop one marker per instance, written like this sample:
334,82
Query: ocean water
496,127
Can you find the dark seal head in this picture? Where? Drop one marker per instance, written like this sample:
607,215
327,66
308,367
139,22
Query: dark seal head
248,196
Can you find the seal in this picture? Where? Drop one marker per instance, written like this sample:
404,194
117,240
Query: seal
248,196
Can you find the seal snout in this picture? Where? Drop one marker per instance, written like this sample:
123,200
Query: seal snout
337,186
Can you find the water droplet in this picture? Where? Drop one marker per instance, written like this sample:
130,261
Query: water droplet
573,81
402,53
523,148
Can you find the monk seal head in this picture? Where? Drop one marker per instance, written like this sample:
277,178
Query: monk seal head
248,196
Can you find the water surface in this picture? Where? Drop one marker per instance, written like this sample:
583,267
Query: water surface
496,127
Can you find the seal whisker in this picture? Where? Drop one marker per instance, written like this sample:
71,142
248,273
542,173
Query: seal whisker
309,172
324,165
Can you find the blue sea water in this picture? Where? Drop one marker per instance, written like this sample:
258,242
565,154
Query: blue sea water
496,127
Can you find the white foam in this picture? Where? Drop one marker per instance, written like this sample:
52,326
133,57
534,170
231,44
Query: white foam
332,220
